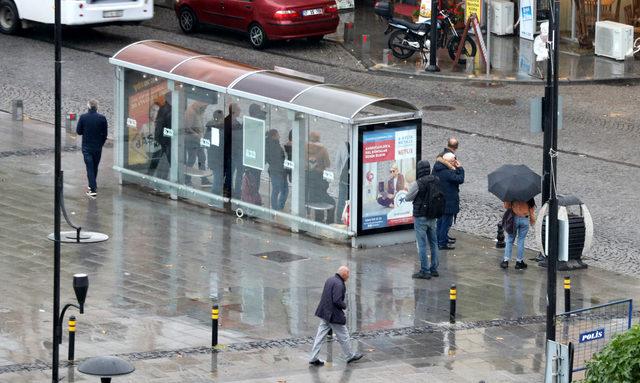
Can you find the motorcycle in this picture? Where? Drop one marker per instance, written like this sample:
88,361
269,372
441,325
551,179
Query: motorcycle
406,38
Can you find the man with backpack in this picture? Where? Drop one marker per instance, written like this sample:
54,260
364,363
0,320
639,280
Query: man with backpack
428,205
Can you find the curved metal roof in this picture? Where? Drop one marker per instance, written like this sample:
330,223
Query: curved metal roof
174,62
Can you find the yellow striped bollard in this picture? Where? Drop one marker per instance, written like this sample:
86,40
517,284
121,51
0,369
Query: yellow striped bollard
72,338
567,293
215,314
453,296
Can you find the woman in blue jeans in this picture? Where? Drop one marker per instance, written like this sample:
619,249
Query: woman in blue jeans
524,214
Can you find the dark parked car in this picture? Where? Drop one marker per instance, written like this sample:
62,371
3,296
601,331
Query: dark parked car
262,20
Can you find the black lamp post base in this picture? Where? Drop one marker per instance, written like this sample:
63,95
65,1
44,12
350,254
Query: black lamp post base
85,237
432,68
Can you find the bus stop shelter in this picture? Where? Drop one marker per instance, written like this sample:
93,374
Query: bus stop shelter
310,156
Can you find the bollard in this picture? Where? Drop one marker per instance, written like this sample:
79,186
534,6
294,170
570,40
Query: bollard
72,338
68,122
17,110
453,295
366,45
500,244
386,56
567,293
214,325
348,32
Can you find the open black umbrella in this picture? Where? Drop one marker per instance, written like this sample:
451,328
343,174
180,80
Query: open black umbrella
514,183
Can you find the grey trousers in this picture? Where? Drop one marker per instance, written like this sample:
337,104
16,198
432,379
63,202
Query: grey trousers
339,331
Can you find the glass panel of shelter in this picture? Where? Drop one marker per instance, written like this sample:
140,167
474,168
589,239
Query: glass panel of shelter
147,112
200,149
327,171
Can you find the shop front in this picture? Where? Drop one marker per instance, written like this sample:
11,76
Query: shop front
309,156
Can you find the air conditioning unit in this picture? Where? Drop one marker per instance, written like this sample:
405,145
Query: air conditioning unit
614,40
502,21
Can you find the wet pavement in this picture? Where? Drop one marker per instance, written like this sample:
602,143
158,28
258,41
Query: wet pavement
153,282
512,58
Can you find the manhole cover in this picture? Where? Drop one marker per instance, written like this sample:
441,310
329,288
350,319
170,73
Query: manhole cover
484,84
503,101
438,108
280,256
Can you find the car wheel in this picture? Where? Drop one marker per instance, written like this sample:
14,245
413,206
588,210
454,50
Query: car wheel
9,20
187,20
257,36
315,39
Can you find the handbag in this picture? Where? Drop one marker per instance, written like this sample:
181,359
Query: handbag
508,222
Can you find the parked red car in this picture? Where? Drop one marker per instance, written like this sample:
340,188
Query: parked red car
262,20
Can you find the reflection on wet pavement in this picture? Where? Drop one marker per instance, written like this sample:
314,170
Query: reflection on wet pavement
153,282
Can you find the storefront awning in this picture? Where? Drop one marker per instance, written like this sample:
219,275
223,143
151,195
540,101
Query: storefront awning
226,76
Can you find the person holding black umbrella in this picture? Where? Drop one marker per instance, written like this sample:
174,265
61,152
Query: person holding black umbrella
524,213
515,184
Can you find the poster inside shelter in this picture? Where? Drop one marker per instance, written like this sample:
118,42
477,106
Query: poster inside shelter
388,167
141,117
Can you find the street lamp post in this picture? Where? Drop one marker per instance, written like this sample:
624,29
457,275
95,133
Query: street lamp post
57,185
433,39
551,137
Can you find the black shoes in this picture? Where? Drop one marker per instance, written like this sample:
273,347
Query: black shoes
91,193
316,362
421,275
446,247
355,358
521,265
435,274
504,264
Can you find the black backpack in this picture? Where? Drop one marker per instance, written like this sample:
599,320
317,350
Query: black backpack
434,200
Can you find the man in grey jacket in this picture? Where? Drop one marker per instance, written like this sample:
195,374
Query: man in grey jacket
331,313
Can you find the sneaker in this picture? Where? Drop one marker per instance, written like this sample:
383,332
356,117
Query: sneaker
316,362
505,264
521,265
91,193
446,247
435,274
421,275
355,358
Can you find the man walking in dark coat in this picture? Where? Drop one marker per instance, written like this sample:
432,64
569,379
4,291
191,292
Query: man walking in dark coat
92,126
331,313
451,175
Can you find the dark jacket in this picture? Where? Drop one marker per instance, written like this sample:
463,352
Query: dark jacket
274,157
92,126
450,181
332,303
163,120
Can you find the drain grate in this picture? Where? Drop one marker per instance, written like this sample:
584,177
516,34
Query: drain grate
280,256
438,108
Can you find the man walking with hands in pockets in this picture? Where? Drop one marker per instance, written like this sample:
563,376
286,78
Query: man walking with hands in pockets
331,313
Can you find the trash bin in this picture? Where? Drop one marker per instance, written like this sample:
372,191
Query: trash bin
575,232
17,110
